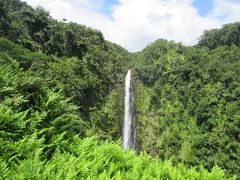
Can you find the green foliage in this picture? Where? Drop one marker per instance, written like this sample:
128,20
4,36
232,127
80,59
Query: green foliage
30,112
92,159
110,115
191,104
228,35
35,30
86,81
80,61
64,81
25,58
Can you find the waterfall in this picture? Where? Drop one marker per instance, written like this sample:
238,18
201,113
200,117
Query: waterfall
129,125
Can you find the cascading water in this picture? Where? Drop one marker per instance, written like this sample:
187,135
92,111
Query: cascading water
129,125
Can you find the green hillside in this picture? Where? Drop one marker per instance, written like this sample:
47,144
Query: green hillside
188,104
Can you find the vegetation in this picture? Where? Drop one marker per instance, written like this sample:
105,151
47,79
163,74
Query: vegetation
61,86
93,159
190,107
226,36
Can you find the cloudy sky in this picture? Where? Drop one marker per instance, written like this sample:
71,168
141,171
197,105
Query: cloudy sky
135,23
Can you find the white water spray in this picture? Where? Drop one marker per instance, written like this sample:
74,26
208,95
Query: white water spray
129,125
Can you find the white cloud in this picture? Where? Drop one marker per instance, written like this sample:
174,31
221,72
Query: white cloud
226,11
135,23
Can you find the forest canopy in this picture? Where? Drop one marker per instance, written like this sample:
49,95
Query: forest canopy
61,102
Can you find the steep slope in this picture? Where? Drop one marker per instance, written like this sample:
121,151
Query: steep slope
96,69
188,103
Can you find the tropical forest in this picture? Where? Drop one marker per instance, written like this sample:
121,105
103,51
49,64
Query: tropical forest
62,102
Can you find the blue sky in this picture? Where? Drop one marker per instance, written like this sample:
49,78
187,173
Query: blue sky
203,6
135,23
107,6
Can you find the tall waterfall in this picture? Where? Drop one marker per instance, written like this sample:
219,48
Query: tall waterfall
129,125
